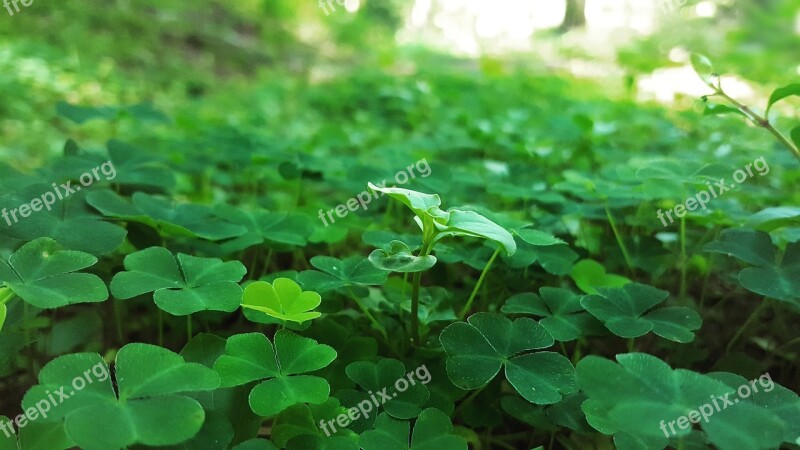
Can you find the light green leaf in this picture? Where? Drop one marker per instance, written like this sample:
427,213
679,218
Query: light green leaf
782,93
470,223
703,68
283,299
589,275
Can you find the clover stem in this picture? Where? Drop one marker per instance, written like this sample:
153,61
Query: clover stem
427,246
6,294
486,268
469,399
27,336
788,344
415,307
369,315
682,295
188,328
118,320
741,329
630,345
620,242
160,327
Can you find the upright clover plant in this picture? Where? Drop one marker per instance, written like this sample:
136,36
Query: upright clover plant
436,224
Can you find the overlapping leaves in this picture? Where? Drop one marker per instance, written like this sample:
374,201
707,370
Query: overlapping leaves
631,398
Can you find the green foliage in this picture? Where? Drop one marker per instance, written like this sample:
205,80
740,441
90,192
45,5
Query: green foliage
283,299
43,274
148,406
627,312
181,285
371,329
251,357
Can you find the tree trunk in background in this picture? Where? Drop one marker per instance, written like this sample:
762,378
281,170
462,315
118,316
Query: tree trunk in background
575,16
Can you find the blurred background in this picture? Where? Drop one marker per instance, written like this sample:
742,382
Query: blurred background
243,62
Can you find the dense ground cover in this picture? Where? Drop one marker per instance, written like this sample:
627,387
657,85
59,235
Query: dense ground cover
425,254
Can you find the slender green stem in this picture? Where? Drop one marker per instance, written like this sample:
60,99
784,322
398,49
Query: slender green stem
682,295
501,443
630,345
620,242
6,294
486,268
741,329
415,282
29,349
758,120
369,315
160,327
118,322
188,328
788,344
469,399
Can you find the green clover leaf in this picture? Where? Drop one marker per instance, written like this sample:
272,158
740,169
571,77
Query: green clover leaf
148,410
432,431
251,357
563,316
399,258
181,285
479,348
622,311
43,274
283,299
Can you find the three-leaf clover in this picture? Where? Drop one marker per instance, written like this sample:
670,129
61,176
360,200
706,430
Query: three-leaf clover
479,348
563,316
146,407
70,222
251,357
381,378
336,273
181,219
636,399
181,285
432,431
623,310
283,299
42,273
780,281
